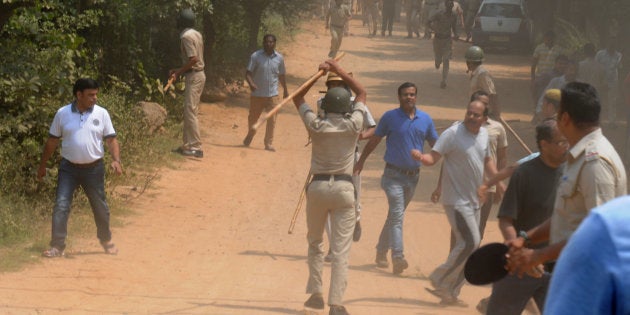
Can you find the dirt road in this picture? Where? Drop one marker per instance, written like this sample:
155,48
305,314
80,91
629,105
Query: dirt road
210,237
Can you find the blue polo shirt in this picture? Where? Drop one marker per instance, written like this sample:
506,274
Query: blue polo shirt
404,134
265,70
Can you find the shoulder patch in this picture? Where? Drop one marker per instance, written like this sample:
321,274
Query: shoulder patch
591,153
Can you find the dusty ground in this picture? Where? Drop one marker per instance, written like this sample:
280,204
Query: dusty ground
211,236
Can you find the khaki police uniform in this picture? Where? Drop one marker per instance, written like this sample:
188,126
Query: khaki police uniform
334,139
338,18
594,174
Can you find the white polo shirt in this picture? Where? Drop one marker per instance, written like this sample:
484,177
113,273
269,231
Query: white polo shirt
82,134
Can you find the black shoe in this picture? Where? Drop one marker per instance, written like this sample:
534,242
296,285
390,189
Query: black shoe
195,153
356,236
248,140
338,310
316,301
399,264
381,260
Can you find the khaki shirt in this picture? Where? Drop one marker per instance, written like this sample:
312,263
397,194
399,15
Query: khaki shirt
192,45
339,15
481,80
443,23
593,175
497,139
334,139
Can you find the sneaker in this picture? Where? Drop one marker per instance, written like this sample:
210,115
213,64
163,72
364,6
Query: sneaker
381,260
195,153
316,301
270,148
329,257
338,310
53,252
399,264
356,236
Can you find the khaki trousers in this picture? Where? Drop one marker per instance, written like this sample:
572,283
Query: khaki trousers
256,106
337,199
336,35
195,82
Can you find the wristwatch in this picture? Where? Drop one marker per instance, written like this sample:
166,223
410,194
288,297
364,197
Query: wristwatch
523,234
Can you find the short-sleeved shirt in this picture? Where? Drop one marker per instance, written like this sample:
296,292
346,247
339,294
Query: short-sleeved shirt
481,80
497,139
530,196
546,57
590,71
82,134
464,159
443,23
334,139
404,134
368,119
594,174
610,64
191,46
339,15
591,276
265,70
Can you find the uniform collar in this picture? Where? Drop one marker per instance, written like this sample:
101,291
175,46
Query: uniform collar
580,147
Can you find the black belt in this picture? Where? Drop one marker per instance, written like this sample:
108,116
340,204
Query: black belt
407,172
345,177
86,165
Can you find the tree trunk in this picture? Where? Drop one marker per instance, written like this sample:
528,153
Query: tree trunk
253,11
209,35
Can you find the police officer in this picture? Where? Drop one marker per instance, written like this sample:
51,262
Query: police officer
430,7
594,174
369,124
443,23
331,191
481,80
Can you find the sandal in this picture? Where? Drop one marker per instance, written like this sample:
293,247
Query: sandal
110,248
53,252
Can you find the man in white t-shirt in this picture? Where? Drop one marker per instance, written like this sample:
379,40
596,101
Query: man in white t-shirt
466,157
82,127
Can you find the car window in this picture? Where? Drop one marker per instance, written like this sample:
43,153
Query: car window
501,10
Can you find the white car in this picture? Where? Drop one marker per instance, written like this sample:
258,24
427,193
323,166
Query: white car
503,23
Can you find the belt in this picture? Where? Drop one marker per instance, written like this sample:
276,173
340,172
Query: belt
192,70
345,177
86,165
442,36
407,172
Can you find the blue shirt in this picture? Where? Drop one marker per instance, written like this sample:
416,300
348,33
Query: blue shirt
404,134
265,70
592,275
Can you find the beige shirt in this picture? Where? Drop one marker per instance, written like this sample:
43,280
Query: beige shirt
192,45
339,15
334,139
593,175
497,139
482,80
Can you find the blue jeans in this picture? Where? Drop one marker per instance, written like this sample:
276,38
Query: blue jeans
92,180
399,189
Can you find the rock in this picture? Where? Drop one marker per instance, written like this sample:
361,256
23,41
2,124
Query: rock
154,115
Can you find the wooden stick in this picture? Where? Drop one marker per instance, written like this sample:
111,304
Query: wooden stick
299,204
276,108
515,135
169,83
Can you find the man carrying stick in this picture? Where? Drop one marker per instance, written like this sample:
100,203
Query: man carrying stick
331,191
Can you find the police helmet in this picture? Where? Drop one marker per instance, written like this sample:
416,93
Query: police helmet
186,19
337,100
474,54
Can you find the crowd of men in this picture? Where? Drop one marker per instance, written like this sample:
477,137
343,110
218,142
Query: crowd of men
549,195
